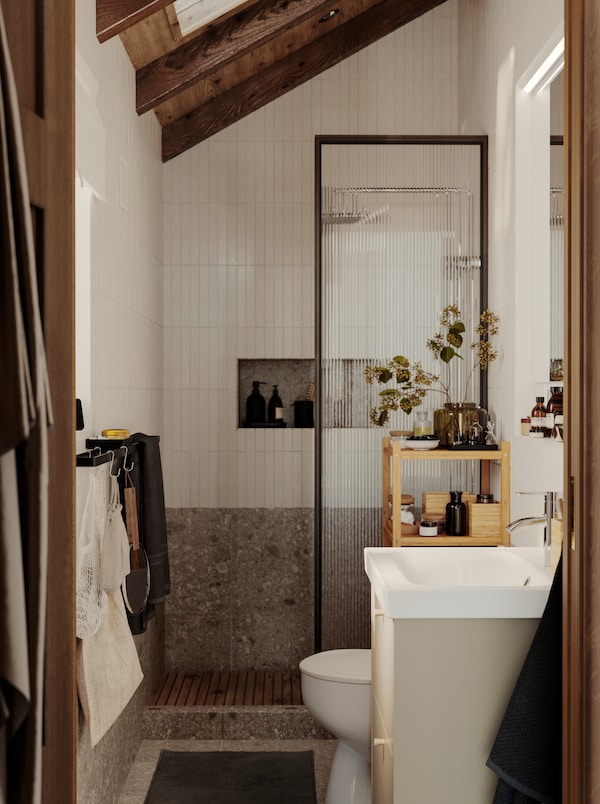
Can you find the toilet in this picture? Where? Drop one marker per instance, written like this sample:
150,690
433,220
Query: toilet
336,690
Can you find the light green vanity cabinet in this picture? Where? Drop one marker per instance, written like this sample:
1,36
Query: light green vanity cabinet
440,688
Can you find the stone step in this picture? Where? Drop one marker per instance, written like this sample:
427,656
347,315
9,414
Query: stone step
231,723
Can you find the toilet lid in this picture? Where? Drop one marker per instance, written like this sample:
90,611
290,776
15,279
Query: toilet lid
345,666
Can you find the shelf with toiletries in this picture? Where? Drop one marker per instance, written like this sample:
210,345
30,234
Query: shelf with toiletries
276,393
486,521
546,421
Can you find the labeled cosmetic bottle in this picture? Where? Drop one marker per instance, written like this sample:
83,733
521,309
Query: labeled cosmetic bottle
275,408
538,419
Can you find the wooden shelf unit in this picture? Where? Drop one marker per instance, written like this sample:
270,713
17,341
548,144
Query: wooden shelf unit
393,459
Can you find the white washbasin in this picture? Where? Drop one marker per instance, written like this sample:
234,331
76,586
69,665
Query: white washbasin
459,582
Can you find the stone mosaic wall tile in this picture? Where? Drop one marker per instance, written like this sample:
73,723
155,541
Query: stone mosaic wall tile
195,641
241,588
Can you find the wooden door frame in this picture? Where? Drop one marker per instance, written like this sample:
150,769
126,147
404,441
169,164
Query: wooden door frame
60,712
581,551
41,40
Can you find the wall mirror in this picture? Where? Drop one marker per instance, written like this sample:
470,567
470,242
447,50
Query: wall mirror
401,232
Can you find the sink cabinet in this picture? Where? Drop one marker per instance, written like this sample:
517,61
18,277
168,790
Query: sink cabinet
440,689
395,463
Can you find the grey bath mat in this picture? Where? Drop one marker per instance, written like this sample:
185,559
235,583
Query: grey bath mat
233,777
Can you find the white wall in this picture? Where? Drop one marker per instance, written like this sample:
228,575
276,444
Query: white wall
119,247
498,41
239,258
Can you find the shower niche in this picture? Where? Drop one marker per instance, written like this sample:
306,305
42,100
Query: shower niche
293,378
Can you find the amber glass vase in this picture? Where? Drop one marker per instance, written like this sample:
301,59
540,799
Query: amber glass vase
451,424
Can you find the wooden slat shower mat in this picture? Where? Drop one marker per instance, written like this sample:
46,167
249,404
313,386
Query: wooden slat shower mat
229,688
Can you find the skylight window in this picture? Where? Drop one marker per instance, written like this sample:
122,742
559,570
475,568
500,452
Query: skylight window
193,14
548,69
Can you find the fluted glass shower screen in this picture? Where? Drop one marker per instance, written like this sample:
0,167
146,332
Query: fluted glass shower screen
400,236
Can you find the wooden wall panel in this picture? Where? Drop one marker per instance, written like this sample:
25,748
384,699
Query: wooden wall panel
41,37
59,325
581,619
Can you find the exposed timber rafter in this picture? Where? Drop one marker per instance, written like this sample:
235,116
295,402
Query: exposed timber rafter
282,76
205,80
220,44
115,16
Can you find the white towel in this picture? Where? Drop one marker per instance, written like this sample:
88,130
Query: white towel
108,669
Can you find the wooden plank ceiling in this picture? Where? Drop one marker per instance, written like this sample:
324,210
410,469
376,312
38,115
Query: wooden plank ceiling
201,83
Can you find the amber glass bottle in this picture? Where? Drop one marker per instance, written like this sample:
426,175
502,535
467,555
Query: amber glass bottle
275,407
554,408
538,419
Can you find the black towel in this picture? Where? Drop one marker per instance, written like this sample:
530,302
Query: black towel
527,752
153,519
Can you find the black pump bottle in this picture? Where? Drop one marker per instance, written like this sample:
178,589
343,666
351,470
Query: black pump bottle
255,406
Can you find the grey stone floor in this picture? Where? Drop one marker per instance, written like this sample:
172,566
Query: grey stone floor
140,776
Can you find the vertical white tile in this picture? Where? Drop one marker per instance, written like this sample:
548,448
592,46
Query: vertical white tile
239,255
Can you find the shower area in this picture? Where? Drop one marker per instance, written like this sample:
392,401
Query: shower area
400,233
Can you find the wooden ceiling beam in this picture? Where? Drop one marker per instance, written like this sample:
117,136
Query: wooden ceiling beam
289,73
115,16
219,45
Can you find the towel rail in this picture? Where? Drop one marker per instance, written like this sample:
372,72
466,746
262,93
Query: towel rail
101,451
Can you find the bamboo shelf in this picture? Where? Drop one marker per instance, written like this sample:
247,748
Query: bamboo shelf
394,458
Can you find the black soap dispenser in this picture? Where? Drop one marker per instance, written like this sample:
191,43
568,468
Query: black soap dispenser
255,406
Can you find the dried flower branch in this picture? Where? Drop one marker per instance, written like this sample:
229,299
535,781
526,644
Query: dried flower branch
413,383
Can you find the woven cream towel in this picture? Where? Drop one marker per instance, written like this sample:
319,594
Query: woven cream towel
108,669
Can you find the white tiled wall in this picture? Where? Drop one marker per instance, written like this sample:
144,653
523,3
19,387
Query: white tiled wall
121,256
239,258
502,39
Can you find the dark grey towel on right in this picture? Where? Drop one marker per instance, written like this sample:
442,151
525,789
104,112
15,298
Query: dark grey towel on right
527,752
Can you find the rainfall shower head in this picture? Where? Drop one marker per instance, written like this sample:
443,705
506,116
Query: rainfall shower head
380,215
346,205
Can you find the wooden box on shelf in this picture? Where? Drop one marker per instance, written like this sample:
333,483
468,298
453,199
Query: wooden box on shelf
485,520
434,502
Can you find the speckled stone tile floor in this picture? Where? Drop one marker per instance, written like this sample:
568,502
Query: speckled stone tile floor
139,778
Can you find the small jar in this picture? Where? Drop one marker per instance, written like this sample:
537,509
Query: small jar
525,426
439,519
485,498
422,426
428,527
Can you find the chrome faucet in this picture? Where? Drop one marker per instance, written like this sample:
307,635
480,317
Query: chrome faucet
546,521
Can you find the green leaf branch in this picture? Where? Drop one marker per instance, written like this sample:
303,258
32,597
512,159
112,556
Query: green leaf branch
413,382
